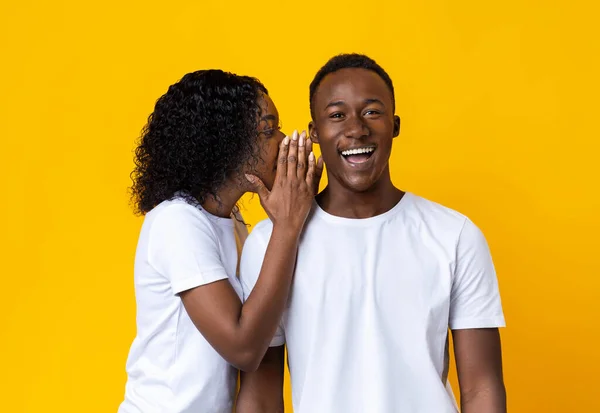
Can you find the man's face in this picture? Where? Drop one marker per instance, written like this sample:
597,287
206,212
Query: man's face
354,124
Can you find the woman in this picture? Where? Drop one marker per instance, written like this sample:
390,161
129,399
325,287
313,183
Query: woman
211,138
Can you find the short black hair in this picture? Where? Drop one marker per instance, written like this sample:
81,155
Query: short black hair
202,131
349,61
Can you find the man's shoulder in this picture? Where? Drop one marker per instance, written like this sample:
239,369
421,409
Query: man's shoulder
434,208
435,215
253,254
262,230
257,240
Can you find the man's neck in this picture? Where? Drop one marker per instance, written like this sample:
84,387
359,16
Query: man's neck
340,201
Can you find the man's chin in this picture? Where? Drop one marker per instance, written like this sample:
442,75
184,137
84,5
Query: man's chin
360,186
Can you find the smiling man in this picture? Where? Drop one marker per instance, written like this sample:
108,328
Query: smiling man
381,277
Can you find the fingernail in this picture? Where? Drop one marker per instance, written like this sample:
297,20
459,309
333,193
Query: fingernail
301,141
286,140
311,156
295,135
303,134
249,177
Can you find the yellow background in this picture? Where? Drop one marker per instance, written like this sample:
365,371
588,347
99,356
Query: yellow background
499,103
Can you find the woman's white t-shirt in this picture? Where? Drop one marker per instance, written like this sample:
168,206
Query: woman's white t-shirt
171,368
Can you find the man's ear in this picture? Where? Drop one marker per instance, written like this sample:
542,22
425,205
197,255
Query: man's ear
396,125
312,132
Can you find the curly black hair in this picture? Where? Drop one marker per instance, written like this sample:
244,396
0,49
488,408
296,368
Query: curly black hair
348,61
202,131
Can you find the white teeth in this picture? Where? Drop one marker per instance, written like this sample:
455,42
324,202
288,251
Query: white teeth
358,151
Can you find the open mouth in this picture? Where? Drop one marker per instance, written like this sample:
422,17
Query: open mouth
358,155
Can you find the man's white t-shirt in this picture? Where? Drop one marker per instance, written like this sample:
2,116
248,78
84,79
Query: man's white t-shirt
171,368
372,299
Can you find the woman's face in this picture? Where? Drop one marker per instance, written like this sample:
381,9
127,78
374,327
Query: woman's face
269,138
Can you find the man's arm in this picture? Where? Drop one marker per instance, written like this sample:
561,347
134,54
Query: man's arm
262,391
479,365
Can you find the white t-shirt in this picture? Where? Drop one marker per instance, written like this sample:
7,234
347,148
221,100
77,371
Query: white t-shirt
372,299
171,368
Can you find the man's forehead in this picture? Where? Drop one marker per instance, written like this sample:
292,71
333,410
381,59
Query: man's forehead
352,81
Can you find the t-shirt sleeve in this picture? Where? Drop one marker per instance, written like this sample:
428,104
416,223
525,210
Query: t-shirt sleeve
183,248
253,255
475,298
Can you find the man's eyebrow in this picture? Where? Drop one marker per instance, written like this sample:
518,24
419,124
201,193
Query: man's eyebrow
342,103
335,103
374,100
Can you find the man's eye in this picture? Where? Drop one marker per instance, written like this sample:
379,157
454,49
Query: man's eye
336,115
372,112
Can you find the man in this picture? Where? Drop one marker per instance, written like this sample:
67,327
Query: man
381,276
